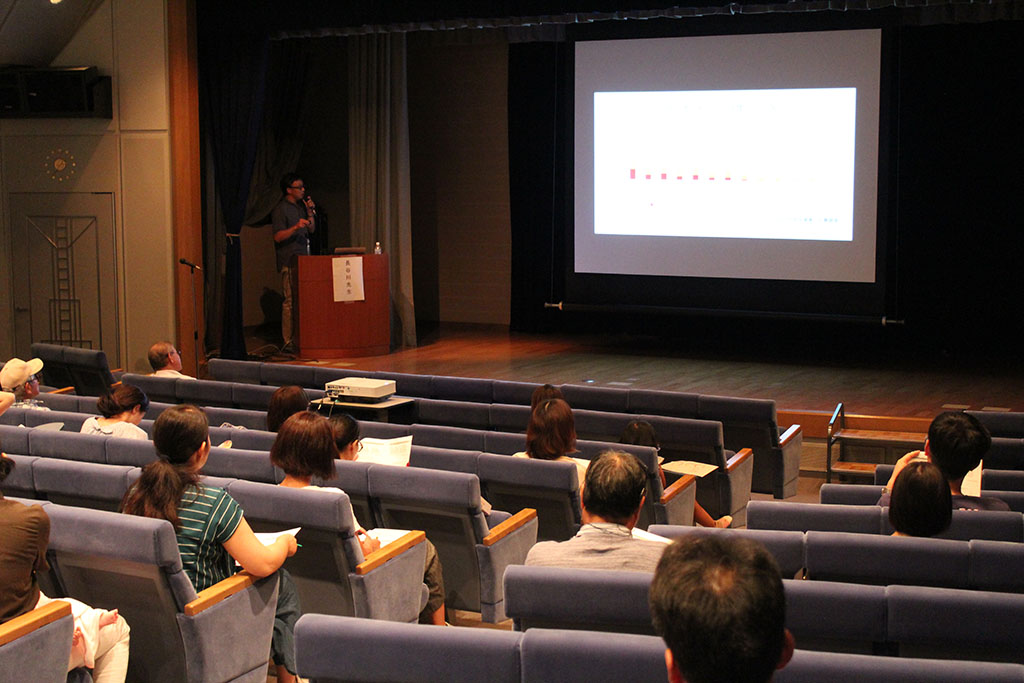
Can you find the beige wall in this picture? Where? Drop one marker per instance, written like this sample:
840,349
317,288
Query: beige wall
127,156
459,155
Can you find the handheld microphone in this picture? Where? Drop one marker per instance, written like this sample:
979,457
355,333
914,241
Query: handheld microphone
186,262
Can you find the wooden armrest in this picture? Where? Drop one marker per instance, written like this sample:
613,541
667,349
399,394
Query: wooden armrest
219,591
30,621
738,459
116,370
62,390
514,522
386,552
789,435
678,487
115,384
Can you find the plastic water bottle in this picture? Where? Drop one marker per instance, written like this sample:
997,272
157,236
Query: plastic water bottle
376,248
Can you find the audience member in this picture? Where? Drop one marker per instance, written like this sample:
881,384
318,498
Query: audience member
285,402
19,378
640,433
956,444
122,410
306,448
551,435
719,605
613,495
100,638
920,504
166,361
543,393
212,533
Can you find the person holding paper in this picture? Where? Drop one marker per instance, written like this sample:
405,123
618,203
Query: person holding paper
640,433
212,533
306,448
613,496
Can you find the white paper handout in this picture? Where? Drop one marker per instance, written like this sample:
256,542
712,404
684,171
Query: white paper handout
387,451
648,536
386,536
971,485
268,537
347,272
697,469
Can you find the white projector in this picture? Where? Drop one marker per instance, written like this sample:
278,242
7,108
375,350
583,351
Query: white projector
360,389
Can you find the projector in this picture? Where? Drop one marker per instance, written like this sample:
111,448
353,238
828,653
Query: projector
360,389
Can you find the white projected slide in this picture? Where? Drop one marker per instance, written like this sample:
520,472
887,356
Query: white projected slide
690,164
739,156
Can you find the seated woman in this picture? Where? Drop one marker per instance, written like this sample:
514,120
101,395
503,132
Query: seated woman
640,433
284,403
551,435
212,533
920,504
100,637
306,447
543,393
122,410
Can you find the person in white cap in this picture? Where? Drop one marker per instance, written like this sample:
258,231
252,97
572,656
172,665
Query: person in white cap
19,377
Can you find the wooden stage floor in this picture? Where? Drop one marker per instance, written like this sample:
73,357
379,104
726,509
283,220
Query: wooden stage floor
912,387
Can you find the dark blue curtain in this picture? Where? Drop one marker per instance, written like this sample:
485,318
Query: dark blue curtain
232,75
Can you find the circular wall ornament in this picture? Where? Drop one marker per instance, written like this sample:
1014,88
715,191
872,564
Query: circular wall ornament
60,165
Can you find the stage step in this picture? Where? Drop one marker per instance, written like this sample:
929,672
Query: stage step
864,470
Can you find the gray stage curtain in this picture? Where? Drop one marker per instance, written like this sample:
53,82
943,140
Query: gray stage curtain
379,165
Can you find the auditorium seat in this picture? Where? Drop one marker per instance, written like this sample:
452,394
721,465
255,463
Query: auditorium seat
552,488
837,667
19,482
131,564
330,572
161,389
587,656
460,438
36,645
883,560
82,484
334,649
227,370
474,549
787,547
453,413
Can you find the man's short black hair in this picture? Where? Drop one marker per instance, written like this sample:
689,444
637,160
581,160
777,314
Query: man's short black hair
287,179
957,442
719,605
614,486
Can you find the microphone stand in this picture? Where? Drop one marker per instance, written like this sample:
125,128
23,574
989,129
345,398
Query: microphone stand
195,315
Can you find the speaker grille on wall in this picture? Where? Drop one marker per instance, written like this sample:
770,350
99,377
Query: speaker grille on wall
61,92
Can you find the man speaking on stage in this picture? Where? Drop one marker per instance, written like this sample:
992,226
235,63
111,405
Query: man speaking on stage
293,219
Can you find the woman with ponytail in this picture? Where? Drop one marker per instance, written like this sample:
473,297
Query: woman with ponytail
212,533
121,410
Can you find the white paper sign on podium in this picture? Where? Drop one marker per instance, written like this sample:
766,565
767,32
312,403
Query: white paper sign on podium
348,278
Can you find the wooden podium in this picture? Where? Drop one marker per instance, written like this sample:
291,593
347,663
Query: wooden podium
339,329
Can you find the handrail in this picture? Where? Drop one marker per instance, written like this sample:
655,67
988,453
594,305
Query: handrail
739,459
677,487
391,550
219,592
837,414
511,524
35,619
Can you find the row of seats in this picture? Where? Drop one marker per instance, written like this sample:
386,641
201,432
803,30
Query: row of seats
421,654
906,621
1001,484
86,370
746,422
871,519
884,560
474,548
722,492
528,480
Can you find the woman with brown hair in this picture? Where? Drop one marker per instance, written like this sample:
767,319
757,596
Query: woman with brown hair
284,403
551,435
212,533
306,448
121,412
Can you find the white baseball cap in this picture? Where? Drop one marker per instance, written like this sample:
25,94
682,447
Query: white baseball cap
17,371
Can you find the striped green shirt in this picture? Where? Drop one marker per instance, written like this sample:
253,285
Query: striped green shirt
209,517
